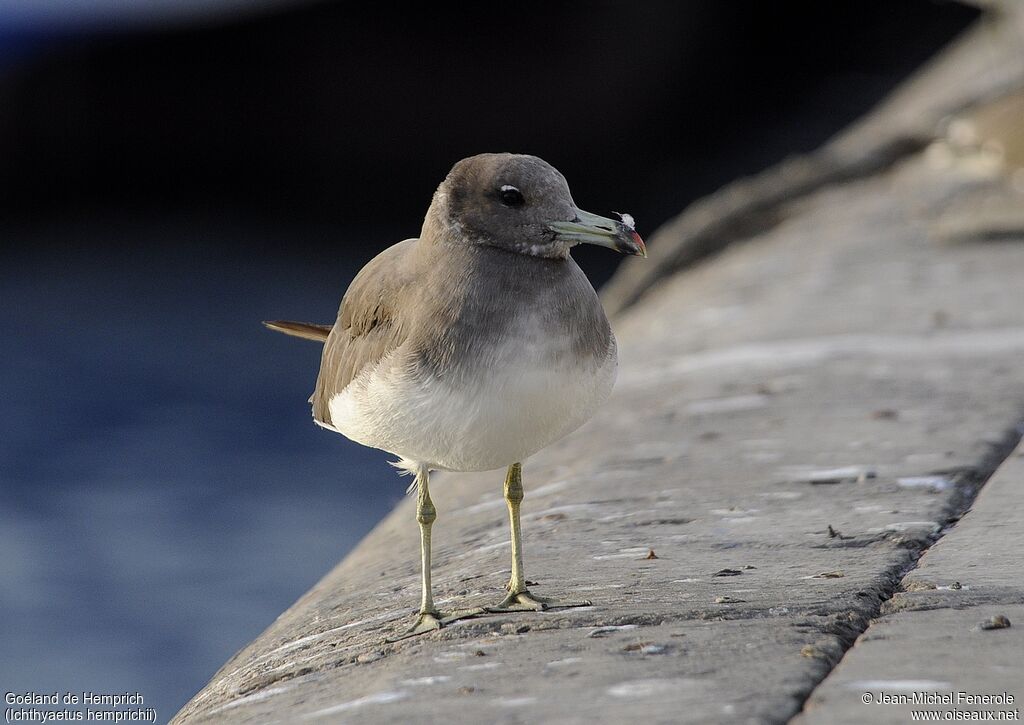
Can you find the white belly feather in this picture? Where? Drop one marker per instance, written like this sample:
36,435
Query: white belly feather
490,421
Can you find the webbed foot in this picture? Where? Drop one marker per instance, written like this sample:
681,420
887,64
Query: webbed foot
431,621
524,601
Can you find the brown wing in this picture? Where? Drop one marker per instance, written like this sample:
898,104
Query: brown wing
370,324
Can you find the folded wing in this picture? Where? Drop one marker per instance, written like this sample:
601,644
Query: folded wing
369,325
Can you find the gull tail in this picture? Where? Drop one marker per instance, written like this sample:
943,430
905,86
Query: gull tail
305,330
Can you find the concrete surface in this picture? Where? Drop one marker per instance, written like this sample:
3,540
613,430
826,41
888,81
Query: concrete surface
986,63
809,409
797,419
937,634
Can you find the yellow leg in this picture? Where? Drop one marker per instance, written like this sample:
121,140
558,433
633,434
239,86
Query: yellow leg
429,618
519,597
426,514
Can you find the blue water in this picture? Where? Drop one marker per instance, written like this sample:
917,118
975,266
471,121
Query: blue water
164,494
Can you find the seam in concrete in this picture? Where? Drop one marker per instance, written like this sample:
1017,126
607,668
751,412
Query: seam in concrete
957,79
749,207
968,487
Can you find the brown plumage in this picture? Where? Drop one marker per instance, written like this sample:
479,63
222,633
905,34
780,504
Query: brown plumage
444,302
370,324
476,344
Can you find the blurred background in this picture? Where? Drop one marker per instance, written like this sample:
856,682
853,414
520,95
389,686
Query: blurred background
174,171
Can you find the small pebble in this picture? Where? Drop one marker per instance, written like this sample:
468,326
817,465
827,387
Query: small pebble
846,474
836,534
513,628
646,648
605,631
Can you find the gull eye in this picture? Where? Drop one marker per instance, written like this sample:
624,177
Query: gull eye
511,196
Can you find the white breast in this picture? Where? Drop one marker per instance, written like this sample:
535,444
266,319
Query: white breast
476,422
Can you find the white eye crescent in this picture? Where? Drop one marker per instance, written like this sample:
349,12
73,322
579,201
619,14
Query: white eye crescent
510,195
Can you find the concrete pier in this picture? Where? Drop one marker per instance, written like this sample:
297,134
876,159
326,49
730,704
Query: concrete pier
771,513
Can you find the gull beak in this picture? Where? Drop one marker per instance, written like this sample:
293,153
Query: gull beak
589,228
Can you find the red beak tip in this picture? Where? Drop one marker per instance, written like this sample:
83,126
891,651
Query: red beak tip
639,243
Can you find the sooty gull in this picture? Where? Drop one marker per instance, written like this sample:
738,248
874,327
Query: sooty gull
476,344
